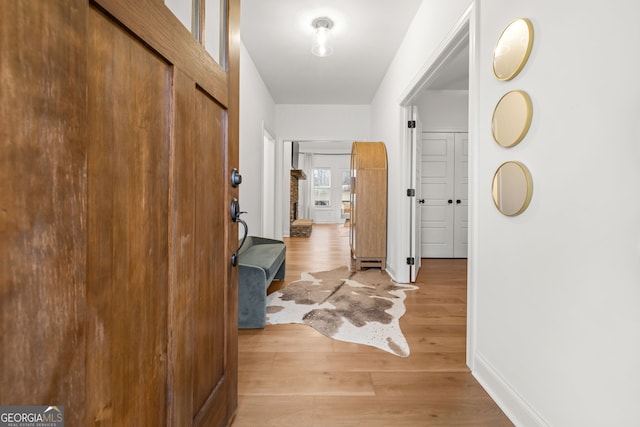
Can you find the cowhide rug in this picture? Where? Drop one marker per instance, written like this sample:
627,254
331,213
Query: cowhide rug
355,306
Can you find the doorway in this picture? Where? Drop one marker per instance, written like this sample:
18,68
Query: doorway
441,99
461,39
320,199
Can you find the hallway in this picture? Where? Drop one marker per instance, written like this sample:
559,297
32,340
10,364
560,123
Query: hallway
290,375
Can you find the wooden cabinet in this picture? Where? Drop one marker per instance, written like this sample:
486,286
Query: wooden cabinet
368,235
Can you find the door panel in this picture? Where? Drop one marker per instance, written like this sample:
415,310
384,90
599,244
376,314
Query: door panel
209,292
437,189
43,205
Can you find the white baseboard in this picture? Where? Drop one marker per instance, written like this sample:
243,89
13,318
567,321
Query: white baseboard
506,397
391,272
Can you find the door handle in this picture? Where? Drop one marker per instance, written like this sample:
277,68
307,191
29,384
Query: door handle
458,202
450,201
235,210
421,201
235,217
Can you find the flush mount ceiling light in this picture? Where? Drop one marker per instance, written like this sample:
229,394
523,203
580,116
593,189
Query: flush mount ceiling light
321,44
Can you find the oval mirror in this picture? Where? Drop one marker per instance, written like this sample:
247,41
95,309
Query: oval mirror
512,188
512,118
513,49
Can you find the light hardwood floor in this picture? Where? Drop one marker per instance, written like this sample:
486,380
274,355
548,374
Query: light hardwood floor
290,375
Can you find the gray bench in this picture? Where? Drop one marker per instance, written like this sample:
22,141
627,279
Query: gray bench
260,261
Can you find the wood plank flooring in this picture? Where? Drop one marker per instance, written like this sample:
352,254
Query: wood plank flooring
291,375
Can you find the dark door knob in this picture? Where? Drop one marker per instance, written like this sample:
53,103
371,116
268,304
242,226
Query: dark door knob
236,178
450,201
458,202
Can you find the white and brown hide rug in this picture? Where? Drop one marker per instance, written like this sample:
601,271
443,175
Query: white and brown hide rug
355,306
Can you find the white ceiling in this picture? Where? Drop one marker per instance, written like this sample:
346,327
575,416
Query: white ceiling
367,34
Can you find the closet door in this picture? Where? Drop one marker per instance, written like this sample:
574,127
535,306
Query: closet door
444,187
437,190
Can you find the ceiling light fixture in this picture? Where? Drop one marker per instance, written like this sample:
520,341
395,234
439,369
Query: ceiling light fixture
321,44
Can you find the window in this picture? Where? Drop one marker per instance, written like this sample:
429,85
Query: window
346,185
322,187
346,194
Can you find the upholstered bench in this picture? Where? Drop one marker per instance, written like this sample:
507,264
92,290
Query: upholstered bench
260,261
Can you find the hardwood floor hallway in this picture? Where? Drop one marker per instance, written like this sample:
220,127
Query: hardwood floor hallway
291,375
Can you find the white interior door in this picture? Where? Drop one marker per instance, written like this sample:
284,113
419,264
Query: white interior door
461,210
437,188
416,205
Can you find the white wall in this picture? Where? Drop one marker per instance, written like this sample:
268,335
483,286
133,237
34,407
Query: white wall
558,287
323,122
257,108
444,110
432,23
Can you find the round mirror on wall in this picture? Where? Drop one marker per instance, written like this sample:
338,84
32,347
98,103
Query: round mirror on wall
513,49
512,118
512,188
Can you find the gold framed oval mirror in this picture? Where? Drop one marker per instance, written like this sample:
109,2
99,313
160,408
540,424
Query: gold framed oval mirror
512,118
512,49
512,188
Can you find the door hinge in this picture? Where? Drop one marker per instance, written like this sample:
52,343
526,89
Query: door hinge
411,261
411,192
412,124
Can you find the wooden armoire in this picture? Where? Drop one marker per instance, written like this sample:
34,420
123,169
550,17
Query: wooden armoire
368,234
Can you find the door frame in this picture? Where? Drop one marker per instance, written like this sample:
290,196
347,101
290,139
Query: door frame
415,207
268,183
464,31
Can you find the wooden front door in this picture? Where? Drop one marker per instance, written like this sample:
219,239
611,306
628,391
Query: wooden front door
123,133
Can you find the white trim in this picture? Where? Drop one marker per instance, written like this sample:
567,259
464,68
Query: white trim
452,129
267,128
515,407
279,231
473,132
392,273
269,173
404,227
285,186
447,49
